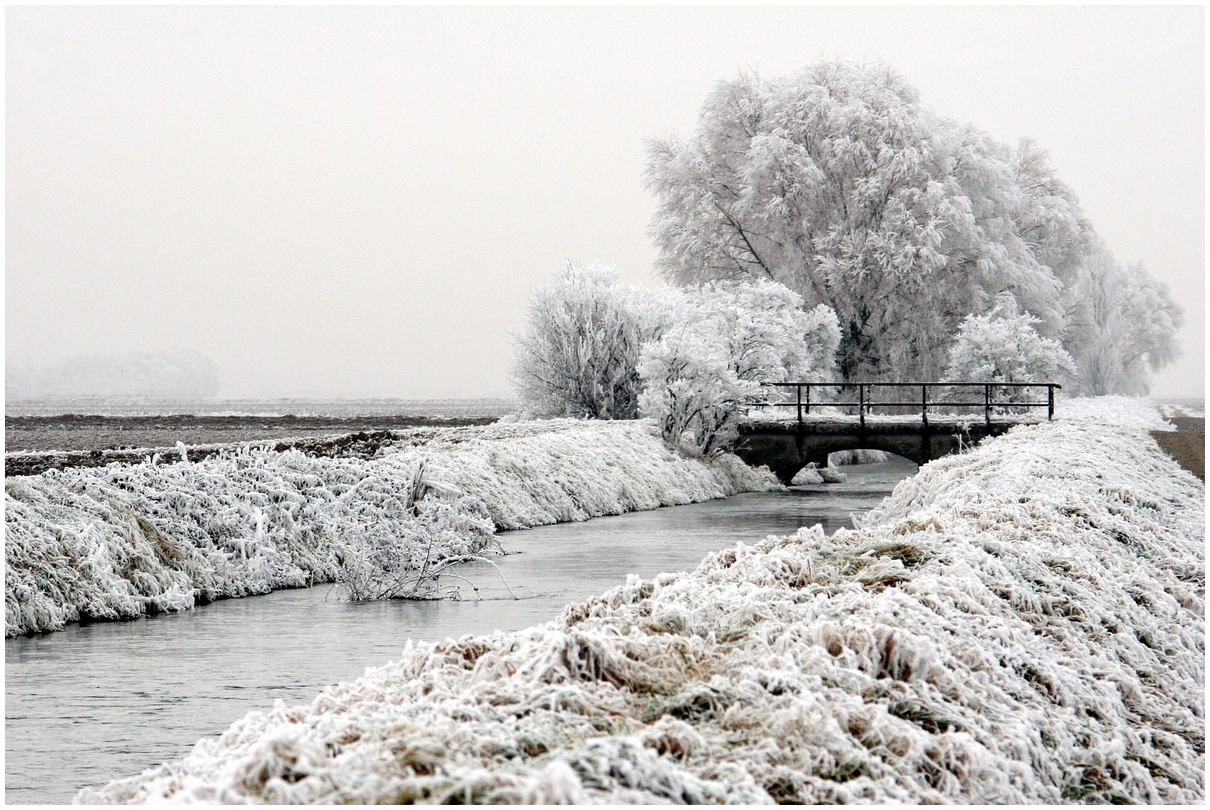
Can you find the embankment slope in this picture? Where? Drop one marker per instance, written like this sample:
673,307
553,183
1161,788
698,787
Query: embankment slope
1020,624
126,540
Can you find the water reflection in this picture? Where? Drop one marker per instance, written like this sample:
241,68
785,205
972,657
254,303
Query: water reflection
95,702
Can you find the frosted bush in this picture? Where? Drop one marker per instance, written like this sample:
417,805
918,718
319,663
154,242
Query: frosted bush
1003,346
449,528
689,360
1024,623
724,342
128,540
767,335
579,351
692,391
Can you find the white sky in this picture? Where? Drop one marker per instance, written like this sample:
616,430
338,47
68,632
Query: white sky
359,201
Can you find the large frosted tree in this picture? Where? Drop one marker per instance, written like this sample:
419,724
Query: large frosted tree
837,182
1122,326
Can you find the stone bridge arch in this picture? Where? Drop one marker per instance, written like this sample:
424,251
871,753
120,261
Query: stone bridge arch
787,448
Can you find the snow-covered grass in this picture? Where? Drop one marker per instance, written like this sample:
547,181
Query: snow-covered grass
126,540
1023,623
1122,411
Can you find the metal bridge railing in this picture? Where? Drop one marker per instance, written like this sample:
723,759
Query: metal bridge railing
865,400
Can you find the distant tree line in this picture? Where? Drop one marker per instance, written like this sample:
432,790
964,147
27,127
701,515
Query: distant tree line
828,224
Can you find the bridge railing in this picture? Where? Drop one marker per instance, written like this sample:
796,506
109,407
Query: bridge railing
992,397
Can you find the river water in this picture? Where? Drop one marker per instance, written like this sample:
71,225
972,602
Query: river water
101,701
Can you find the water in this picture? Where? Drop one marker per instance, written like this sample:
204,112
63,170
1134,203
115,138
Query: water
96,702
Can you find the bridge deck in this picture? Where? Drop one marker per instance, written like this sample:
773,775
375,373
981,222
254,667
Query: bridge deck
771,417
998,399
786,435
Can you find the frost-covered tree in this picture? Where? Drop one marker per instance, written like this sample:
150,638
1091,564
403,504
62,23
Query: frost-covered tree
1123,327
726,339
839,183
580,348
1004,346
1050,219
687,358
765,332
692,392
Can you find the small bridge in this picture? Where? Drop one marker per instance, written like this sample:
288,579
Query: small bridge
909,422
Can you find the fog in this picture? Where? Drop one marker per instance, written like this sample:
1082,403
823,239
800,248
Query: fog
359,201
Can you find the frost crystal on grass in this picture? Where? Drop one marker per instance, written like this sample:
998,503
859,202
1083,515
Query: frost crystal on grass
127,540
1020,624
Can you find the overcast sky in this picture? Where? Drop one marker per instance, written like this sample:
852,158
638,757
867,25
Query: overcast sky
359,201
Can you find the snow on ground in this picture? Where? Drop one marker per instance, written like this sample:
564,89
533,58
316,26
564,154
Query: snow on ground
1023,623
1122,411
126,540
1195,408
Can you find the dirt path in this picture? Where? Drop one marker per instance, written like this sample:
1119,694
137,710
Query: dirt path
1187,445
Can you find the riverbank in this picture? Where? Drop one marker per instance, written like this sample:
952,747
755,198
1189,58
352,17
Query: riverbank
128,540
171,681
1023,623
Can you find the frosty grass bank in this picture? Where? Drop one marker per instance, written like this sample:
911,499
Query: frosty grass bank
1022,623
126,540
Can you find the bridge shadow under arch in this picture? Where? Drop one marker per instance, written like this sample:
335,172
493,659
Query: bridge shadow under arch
844,460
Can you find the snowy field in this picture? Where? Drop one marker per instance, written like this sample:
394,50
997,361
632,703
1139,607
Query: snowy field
127,540
1023,623
74,441
1181,407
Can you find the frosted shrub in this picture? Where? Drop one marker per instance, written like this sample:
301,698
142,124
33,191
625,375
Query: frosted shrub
728,338
764,330
689,360
580,348
692,391
1002,346
406,561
